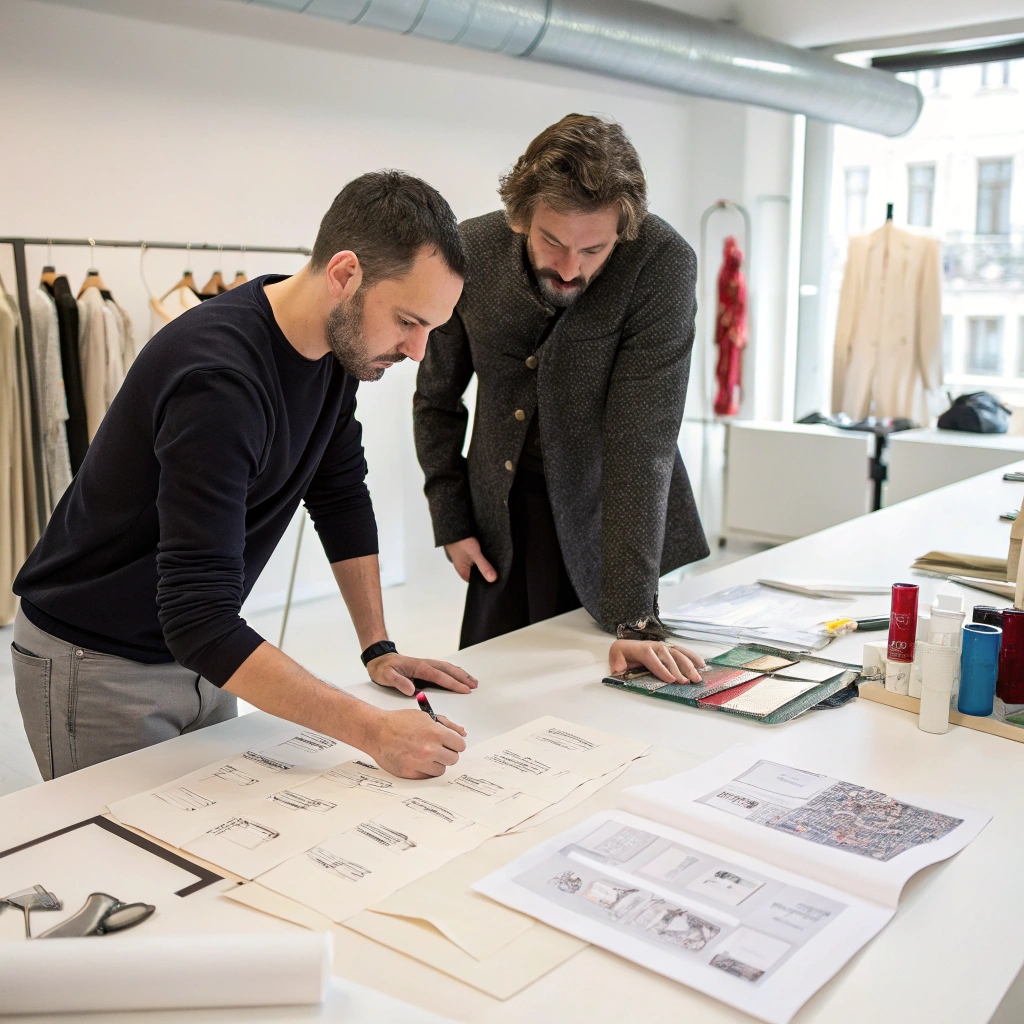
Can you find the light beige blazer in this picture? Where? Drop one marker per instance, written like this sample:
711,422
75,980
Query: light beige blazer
888,351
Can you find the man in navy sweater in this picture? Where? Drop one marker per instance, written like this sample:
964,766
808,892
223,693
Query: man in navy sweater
129,630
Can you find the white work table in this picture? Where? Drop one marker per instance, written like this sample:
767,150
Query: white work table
949,956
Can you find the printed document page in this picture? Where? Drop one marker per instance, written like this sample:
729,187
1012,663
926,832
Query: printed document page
757,937
840,833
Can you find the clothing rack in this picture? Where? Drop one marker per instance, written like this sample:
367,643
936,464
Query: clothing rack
18,245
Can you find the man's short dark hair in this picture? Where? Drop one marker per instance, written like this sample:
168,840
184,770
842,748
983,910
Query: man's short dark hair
386,218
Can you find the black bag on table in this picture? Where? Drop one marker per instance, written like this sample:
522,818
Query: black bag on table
977,413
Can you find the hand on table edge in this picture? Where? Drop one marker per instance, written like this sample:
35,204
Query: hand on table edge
666,661
405,743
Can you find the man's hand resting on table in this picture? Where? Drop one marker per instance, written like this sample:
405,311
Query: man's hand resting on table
668,662
411,745
399,671
464,554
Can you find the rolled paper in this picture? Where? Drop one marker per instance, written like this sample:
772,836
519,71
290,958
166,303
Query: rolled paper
979,663
129,972
938,665
1010,683
902,622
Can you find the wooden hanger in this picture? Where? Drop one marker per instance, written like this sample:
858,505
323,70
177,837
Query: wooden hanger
240,278
187,280
215,285
92,280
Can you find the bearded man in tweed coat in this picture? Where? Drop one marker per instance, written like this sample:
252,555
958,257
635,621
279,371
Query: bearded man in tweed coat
578,319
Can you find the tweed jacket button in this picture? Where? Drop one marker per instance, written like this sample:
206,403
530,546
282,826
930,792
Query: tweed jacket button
508,465
520,415
531,362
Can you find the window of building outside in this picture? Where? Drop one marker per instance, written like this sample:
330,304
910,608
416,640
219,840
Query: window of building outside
920,194
995,74
856,199
995,178
985,345
958,175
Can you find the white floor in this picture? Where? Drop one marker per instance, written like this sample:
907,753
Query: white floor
423,618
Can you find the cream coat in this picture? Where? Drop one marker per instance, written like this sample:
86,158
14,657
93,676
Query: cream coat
888,351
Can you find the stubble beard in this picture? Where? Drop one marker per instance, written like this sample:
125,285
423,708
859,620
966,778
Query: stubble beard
349,344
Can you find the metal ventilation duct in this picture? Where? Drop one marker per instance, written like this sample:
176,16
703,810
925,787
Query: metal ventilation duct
641,42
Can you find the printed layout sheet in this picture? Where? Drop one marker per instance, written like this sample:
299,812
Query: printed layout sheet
338,837
756,937
865,841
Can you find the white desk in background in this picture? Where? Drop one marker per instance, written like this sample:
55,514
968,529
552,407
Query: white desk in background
954,948
922,460
788,480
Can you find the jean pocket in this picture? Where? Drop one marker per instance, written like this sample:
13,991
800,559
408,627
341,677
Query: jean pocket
32,687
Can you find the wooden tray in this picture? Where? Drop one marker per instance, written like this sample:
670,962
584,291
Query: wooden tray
877,692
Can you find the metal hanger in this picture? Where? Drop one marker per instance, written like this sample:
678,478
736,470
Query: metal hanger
92,278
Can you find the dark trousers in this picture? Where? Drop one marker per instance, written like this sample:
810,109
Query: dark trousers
537,587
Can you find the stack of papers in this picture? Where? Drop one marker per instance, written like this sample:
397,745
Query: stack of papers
763,614
950,563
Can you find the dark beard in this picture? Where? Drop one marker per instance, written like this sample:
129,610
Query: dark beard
555,296
350,348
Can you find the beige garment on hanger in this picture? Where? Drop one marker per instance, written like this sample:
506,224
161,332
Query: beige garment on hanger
51,400
99,347
9,432
163,311
115,349
888,348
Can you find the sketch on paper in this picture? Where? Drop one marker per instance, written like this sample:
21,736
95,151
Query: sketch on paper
350,778
437,812
829,812
338,866
747,954
310,742
520,762
482,787
228,773
297,802
385,837
725,886
674,925
245,832
273,764
619,900
563,739
567,881
184,799
618,843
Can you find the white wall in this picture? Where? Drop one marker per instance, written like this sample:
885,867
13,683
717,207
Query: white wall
210,121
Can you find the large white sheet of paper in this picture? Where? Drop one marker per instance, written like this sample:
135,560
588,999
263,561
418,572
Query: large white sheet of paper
867,842
757,937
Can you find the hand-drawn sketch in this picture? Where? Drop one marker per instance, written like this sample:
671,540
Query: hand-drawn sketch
747,954
563,739
725,886
245,832
437,812
310,742
567,881
619,900
336,865
618,843
228,773
674,925
482,787
385,837
521,763
298,802
184,799
274,764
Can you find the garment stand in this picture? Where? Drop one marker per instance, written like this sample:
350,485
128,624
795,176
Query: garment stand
18,245
708,419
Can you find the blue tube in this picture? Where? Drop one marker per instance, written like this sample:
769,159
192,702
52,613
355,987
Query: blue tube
979,667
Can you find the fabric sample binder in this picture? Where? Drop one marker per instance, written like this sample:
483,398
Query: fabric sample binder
731,684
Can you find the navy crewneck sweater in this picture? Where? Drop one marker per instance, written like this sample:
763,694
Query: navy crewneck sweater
219,430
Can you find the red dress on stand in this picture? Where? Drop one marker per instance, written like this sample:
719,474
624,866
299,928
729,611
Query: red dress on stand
730,329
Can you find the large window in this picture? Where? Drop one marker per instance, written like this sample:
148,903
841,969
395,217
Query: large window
958,176
856,199
996,74
994,180
985,346
921,194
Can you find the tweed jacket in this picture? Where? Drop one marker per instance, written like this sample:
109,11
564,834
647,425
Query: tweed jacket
608,384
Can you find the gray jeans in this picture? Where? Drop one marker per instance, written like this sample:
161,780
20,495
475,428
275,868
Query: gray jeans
81,707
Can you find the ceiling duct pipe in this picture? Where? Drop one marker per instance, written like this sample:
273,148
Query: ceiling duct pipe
642,42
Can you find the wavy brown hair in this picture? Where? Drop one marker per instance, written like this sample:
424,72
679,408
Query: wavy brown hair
580,164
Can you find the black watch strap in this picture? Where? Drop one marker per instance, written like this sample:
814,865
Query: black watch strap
376,650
